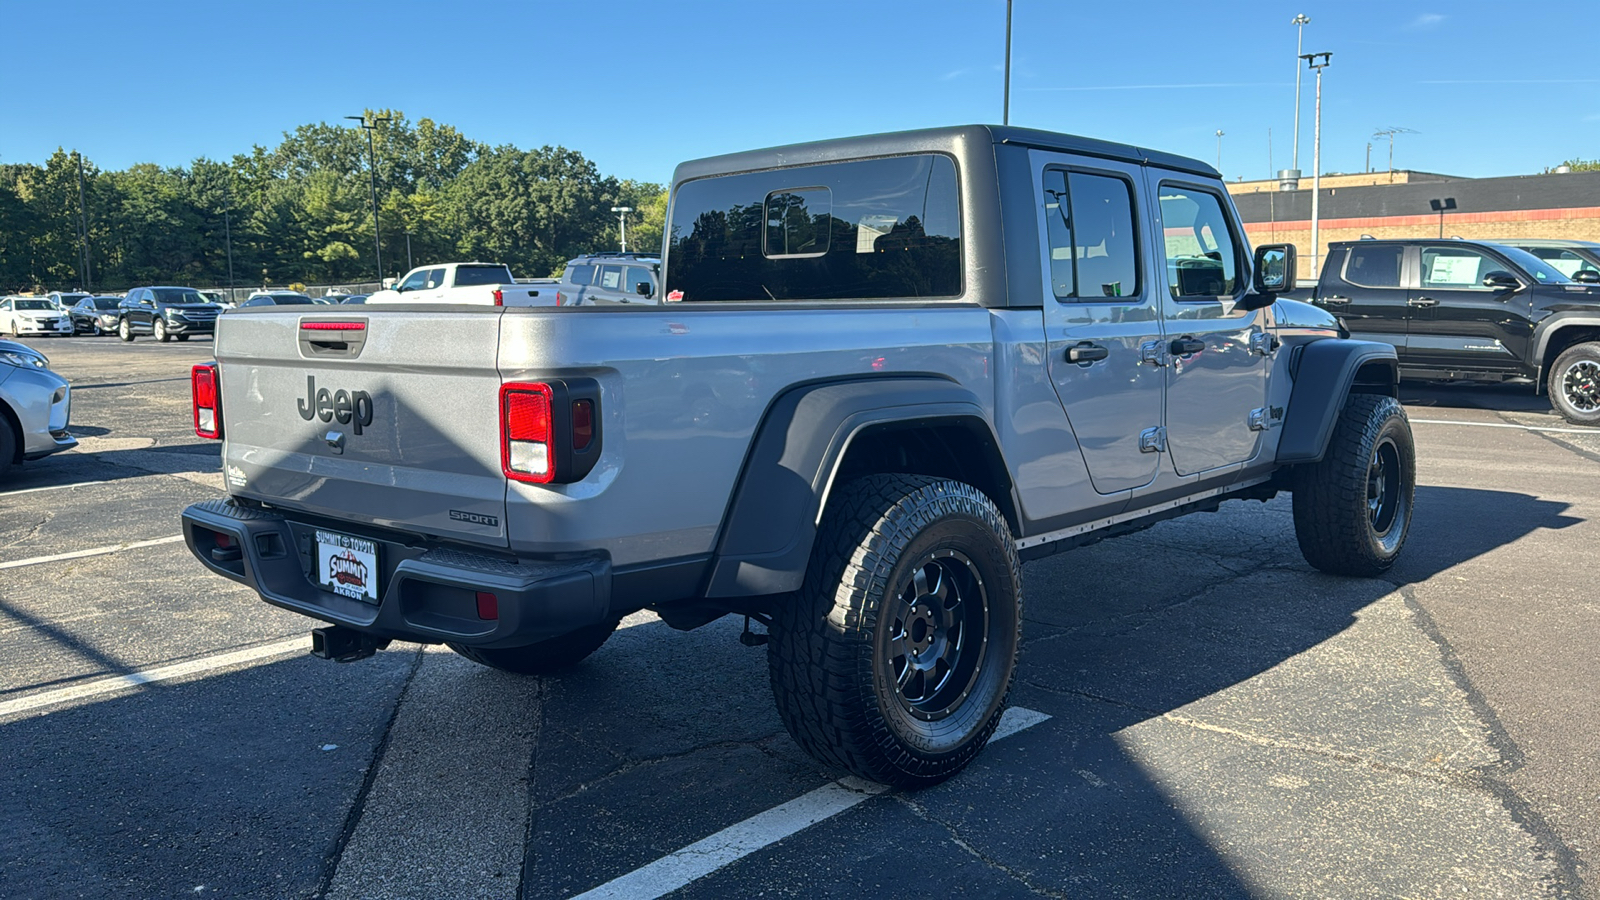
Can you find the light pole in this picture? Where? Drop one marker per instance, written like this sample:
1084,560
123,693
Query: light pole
622,213
227,227
1301,20
1441,207
372,168
1317,61
83,215
1005,112
409,267
1219,151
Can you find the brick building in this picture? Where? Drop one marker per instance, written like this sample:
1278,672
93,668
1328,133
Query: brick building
1562,205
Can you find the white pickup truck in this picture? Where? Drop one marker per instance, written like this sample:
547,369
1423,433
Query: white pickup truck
479,284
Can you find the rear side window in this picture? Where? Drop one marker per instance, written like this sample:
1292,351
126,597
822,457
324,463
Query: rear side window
580,274
473,276
867,229
1377,266
1093,252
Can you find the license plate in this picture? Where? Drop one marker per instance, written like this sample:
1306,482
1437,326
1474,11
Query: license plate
347,565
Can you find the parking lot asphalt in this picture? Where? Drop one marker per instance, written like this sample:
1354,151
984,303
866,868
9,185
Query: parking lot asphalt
1200,714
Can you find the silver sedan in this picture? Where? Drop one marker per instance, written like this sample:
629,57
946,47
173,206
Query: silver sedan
35,404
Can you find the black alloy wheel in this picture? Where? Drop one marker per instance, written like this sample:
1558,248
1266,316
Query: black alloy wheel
1574,384
937,633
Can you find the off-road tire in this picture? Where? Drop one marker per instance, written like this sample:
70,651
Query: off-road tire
833,654
125,330
1574,384
8,447
1353,510
158,330
546,657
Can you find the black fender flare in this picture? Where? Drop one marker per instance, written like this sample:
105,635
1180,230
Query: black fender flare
1545,330
1324,375
777,503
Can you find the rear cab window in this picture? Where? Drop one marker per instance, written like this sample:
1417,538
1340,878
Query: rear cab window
871,229
476,276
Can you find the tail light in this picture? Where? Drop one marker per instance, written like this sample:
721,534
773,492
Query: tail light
499,297
550,430
207,400
526,440
560,298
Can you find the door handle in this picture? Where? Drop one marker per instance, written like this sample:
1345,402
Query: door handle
1334,301
1086,352
1186,345
1422,302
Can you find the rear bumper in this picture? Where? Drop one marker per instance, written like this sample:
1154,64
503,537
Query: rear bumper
428,595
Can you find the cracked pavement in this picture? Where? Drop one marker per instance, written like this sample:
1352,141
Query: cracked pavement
1224,721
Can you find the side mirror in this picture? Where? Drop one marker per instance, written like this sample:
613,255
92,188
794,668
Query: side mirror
1586,276
147,303
1275,268
400,289
643,289
1501,280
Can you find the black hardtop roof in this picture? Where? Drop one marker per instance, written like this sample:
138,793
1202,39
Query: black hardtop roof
1415,241
953,139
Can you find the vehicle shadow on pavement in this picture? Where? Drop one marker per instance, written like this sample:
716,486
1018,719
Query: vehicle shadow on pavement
1453,525
85,465
1442,396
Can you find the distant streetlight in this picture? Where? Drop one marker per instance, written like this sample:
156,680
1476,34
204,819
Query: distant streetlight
408,250
227,227
622,213
1317,61
1219,150
372,168
1301,20
1441,207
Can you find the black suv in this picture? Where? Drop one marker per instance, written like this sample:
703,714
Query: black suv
1468,310
166,313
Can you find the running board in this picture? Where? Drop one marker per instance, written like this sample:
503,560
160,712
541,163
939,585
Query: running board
1155,514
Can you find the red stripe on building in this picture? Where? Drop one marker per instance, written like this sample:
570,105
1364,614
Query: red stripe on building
1478,218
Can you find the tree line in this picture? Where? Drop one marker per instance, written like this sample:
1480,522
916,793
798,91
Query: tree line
302,211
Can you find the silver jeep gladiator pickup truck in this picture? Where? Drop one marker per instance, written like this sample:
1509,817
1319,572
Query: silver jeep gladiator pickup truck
885,371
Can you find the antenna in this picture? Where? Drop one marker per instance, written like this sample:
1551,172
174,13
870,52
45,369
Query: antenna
1389,133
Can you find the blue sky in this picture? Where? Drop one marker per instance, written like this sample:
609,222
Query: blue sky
1490,88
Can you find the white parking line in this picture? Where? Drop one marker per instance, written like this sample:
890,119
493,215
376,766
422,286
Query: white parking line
53,487
1594,431
94,551
163,673
701,858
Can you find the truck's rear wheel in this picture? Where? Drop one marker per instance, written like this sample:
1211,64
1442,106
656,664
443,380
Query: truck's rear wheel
894,660
1575,384
546,657
1352,510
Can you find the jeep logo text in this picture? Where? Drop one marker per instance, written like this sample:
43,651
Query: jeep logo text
346,406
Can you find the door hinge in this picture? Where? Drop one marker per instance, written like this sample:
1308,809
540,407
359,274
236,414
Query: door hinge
1153,440
1153,352
1264,343
1258,419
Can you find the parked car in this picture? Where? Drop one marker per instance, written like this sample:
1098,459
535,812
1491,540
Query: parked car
38,402
1459,310
221,298
32,315
912,360
65,300
484,284
1578,260
609,278
166,313
353,298
95,315
277,298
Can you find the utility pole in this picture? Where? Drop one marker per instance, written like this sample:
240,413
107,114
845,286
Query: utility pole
409,267
1219,151
1301,20
1005,114
372,168
1369,157
1317,61
227,227
622,213
83,217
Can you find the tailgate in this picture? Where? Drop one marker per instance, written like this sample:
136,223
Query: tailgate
392,421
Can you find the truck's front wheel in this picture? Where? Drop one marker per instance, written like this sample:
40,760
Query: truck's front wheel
894,660
1575,384
546,657
1352,510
